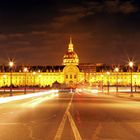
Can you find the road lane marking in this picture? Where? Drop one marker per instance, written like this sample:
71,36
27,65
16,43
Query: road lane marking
61,128
72,123
62,124
74,128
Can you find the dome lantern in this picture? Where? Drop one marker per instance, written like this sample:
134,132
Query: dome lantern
70,57
70,47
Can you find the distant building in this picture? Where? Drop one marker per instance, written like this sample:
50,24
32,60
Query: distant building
70,73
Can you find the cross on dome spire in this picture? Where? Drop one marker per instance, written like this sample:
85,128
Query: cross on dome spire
70,40
70,47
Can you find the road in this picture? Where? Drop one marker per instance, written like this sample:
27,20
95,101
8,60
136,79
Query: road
70,116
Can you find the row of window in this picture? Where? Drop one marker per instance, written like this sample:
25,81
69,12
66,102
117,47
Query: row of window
71,76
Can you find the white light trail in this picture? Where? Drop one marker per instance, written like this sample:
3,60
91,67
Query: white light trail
21,97
42,99
37,101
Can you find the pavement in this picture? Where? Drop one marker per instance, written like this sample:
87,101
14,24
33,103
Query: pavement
70,116
131,96
15,92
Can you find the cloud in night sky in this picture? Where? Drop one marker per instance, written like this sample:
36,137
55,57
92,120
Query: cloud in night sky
103,30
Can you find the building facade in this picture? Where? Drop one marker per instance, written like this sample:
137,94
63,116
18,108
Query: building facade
70,73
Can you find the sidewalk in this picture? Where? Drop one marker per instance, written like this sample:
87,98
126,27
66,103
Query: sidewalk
127,95
7,94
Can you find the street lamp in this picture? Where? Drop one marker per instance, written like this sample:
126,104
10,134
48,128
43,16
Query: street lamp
135,76
116,70
34,73
11,64
25,70
131,68
39,80
4,77
102,83
108,73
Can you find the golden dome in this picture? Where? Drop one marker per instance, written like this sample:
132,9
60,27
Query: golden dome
70,58
70,55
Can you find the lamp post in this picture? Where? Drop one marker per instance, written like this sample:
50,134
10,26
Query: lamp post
25,71
4,77
39,76
131,68
135,76
116,70
11,64
102,83
34,73
108,73
39,81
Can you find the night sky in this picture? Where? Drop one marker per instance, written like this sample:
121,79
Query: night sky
37,32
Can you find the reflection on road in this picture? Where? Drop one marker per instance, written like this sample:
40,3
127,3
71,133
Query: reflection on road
70,116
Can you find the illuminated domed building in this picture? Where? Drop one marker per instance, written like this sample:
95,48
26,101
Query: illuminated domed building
70,73
71,57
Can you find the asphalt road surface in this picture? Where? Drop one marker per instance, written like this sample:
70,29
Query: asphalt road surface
71,116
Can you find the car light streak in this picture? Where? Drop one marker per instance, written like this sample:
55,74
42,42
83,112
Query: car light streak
39,100
42,99
91,91
21,97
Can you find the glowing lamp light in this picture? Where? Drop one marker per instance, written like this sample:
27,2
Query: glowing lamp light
4,76
116,69
108,73
25,69
135,76
131,64
102,75
34,73
11,64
